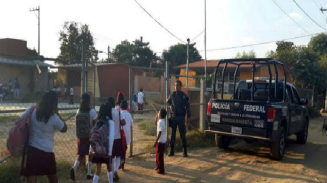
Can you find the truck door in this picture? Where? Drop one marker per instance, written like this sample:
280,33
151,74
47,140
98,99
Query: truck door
298,111
292,110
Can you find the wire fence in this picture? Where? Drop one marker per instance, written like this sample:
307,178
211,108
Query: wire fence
23,81
150,83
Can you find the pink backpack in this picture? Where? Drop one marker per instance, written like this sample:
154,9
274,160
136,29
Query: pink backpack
19,135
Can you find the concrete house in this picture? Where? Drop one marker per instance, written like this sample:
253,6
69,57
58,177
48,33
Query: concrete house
32,74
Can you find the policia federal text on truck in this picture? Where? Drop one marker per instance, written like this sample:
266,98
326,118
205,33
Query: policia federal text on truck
267,109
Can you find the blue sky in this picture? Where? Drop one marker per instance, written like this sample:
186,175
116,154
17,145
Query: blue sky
229,22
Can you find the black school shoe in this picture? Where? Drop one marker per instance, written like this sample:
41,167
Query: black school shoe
72,174
89,177
116,177
160,172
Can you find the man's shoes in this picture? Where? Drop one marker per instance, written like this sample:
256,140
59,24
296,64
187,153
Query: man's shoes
156,168
89,177
72,174
171,153
185,152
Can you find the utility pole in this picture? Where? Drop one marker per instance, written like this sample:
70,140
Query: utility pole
38,17
83,65
108,53
322,11
188,44
205,41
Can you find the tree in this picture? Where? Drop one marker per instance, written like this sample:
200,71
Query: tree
250,54
177,55
31,52
307,72
137,53
304,62
71,39
143,55
123,52
319,44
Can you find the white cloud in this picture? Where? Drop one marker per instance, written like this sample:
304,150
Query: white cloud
296,16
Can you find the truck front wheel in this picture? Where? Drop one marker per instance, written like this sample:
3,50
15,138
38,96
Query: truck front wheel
277,148
222,141
303,135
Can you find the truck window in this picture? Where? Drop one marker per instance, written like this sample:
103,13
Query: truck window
288,95
260,91
296,97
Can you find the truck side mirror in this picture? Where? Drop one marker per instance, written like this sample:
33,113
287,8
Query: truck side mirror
304,101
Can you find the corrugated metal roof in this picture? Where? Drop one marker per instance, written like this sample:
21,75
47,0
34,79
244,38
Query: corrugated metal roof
96,64
24,62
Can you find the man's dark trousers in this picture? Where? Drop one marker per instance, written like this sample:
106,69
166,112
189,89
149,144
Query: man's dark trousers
180,123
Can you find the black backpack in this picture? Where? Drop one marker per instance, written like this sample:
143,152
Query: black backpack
83,126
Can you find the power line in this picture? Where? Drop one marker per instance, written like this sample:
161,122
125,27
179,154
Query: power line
316,3
307,14
159,22
197,36
319,7
290,17
255,44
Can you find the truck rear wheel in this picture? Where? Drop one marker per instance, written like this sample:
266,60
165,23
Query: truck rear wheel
303,135
277,148
222,141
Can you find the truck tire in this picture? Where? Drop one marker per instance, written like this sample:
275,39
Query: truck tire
222,141
303,135
277,148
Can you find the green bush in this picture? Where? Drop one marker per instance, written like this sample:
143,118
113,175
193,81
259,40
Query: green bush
313,112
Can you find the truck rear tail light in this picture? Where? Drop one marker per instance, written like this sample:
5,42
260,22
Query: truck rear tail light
209,109
271,114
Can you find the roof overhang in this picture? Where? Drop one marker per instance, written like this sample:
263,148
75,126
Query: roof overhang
31,63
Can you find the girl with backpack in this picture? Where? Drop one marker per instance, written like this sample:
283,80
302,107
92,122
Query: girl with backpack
117,148
39,159
105,115
85,120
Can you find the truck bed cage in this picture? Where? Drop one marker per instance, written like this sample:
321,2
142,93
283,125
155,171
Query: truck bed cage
253,62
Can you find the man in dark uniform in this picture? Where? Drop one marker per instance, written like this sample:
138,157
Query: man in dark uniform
179,106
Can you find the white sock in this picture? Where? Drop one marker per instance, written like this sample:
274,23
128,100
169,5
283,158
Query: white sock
95,179
110,177
117,163
76,164
89,168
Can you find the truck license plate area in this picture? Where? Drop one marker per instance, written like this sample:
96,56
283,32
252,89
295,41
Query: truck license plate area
236,130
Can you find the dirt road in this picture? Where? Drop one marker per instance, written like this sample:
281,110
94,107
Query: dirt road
241,163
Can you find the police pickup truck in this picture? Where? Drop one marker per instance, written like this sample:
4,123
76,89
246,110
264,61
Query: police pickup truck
267,109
